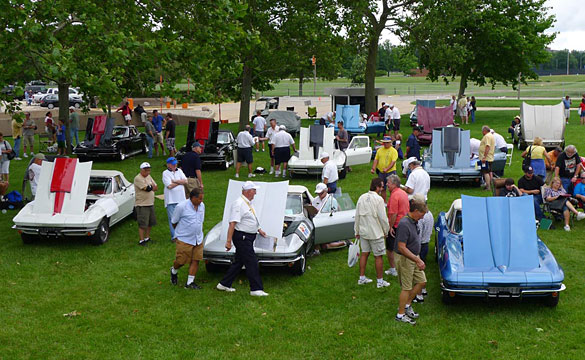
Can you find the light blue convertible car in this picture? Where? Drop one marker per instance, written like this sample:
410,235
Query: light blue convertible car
488,247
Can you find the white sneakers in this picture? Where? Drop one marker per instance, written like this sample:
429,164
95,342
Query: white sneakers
567,228
382,284
25,155
220,287
271,171
364,280
391,271
237,175
580,216
250,175
258,293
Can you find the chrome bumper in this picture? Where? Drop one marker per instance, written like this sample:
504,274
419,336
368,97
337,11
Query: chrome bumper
48,231
486,292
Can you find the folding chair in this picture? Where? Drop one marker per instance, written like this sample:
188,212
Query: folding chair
312,112
45,140
554,214
509,154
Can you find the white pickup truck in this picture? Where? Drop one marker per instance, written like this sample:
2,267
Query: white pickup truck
73,93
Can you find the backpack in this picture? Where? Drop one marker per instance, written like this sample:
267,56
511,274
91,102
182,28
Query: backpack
528,159
12,200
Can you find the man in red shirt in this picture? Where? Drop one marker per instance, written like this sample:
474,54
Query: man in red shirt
398,207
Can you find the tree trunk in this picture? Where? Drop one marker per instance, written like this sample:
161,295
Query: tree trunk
64,112
245,96
462,86
370,90
301,78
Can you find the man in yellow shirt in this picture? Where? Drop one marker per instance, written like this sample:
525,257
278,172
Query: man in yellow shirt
462,109
486,155
385,162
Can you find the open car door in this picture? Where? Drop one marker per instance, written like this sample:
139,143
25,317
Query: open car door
335,221
359,151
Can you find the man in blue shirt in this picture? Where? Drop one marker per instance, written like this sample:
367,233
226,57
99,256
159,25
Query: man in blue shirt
188,222
157,121
412,145
567,103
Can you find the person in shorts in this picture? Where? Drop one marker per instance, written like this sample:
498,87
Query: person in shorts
409,265
5,149
170,135
282,144
145,187
370,227
245,143
50,126
28,134
486,155
270,132
259,126
61,138
188,223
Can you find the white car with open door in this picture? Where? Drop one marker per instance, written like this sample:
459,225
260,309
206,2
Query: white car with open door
317,139
73,200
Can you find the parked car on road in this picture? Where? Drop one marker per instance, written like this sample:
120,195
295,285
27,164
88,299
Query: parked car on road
52,101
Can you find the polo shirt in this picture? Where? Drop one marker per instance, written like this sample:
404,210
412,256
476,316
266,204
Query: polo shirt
488,139
330,172
385,157
474,146
567,103
282,139
500,141
395,113
398,204
245,139
190,163
407,232
74,118
176,194
242,212
189,222
419,181
413,147
270,134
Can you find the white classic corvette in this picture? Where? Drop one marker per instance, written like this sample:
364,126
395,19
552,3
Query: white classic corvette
73,200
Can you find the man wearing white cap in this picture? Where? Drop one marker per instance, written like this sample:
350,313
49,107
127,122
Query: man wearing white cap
329,175
242,231
281,150
419,181
145,186
74,125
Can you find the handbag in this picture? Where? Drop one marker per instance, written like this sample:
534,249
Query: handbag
11,155
353,253
528,159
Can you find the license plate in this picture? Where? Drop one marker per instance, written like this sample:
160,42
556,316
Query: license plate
48,231
504,290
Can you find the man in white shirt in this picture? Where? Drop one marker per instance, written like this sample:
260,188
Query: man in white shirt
245,143
329,176
174,180
388,117
188,223
282,141
242,231
500,142
419,181
327,118
474,147
272,130
395,119
371,226
453,104
34,171
259,128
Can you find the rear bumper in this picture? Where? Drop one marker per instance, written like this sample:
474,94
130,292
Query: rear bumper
451,177
502,292
265,261
48,231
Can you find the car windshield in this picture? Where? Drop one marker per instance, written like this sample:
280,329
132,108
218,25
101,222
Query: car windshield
223,138
336,202
119,132
294,204
99,186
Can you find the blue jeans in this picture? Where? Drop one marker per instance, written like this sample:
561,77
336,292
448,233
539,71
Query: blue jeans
170,211
566,183
16,148
472,116
150,141
75,135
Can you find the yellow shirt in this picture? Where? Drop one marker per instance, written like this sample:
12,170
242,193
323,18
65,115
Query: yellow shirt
537,152
16,129
488,139
385,157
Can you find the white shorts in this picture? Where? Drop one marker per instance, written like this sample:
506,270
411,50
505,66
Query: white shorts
567,113
5,167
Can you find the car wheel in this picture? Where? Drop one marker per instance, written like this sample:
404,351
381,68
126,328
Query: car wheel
552,301
300,265
77,105
51,106
447,298
214,268
102,232
28,238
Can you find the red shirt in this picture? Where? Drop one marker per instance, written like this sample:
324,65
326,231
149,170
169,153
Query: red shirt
398,204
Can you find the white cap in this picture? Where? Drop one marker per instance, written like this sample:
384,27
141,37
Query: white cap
323,155
71,108
144,165
248,185
320,188
282,127
492,131
391,105
407,162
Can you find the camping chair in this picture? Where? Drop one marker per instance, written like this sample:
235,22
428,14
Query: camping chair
554,214
509,154
312,112
497,185
45,140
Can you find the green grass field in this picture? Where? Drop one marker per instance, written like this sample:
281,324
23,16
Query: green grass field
129,310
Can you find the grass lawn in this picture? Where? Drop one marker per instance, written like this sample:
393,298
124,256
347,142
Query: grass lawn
128,309
510,102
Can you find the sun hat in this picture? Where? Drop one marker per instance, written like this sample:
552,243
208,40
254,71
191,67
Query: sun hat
387,139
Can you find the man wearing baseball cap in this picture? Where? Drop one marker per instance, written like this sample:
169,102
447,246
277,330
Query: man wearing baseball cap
530,185
242,231
174,180
385,162
329,176
145,186
191,165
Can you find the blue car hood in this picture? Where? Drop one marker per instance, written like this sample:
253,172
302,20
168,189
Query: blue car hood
500,234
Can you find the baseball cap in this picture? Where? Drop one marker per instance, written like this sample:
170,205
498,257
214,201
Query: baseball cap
391,105
529,170
320,188
172,160
323,155
195,144
40,156
248,185
419,197
71,108
282,127
145,165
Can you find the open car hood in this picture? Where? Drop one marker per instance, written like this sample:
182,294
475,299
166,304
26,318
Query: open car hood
432,118
544,121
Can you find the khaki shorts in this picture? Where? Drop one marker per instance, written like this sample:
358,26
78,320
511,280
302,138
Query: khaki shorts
158,138
29,140
145,216
375,246
192,183
408,273
187,253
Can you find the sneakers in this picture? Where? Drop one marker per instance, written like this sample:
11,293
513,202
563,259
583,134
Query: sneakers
250,175
193,286
144,242
263,150
271,171
424,292
220,287
405,319
276,173
25,155
17,158
382,284
256,150
32,153
174,278
391,271
410,313
237,175
258,293
284,175
418,299
567,228
580,216
364,281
